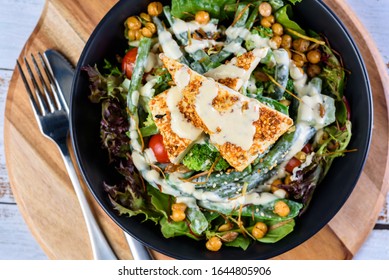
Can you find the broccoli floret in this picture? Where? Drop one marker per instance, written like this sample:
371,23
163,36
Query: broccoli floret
202,156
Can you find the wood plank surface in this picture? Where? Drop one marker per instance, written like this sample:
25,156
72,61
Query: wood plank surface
26,148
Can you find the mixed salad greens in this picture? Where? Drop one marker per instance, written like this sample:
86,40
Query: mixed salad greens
202,196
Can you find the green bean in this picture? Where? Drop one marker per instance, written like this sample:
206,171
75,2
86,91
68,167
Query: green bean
140,63
230,185
263,212
281,73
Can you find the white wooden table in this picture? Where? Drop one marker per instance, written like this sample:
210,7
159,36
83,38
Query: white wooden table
17,20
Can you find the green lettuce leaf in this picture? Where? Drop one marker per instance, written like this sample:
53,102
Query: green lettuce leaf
185,8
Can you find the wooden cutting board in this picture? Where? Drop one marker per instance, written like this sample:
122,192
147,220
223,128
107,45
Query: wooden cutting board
45,195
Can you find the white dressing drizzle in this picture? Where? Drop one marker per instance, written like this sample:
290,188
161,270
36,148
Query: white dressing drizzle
169,46
179,124
220,123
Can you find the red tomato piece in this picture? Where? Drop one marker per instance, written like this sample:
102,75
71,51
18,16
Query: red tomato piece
307,148
128,62
156,144
294,162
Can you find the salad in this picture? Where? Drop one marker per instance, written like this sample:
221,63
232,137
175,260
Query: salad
221,117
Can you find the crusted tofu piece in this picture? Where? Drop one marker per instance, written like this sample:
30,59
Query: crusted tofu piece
240,127
236,72
178,133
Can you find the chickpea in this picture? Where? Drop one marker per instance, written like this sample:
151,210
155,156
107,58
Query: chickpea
277,29
138,35
301,156
281,209
226,227
270,19
214,244
152,27
146,32
145,17
265,9
286,41
313,70
154,9
133,23
259,230
202,17
265,23
298,59
181,207
300,45
131,35
287,180
314,56
178,214
276,42
275,184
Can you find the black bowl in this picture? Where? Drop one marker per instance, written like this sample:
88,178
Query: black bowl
107,41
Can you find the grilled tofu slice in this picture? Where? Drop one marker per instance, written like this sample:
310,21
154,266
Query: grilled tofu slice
177,132
240,127
235,73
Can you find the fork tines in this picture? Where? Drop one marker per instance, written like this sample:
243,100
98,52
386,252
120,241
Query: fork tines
45,99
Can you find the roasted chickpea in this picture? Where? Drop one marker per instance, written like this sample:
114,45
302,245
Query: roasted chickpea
178,216
313,70
270,19
202,17
226,227
214,244
276,42
146,32
133,23
301,156
265,9
178,210
259,230
145,17
179,207
300,45
286,41
281,208
152,27
131,35
138,35
299,60
154,9
277,29
265,23
275,184
314,56
287,180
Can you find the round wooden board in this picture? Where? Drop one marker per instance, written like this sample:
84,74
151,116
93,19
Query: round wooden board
44,192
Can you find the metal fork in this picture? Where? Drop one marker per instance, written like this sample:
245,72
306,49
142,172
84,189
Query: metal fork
52,118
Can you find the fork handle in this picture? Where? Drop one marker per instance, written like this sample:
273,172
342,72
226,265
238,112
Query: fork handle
100,246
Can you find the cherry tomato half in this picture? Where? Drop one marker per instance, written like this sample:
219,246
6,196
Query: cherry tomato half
294,162
156,144
307,148
128,62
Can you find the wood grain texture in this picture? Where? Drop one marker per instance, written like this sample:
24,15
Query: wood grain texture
45,195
